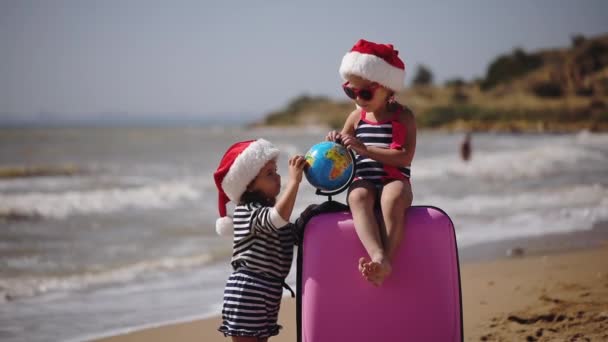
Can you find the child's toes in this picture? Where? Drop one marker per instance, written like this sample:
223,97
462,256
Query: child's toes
362,263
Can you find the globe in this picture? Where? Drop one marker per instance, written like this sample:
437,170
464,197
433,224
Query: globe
330,166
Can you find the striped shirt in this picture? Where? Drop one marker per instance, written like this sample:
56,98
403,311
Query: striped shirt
388,134
263,241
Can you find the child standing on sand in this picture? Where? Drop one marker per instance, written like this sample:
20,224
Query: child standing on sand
263,239
382,133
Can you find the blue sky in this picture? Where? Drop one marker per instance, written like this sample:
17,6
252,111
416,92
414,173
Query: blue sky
245,58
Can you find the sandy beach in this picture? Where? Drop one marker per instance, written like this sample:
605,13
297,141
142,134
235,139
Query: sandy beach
557,296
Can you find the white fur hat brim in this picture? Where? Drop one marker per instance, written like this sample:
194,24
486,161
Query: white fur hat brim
246,167
372,68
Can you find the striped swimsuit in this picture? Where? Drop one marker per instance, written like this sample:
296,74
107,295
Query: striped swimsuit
388,134
262,256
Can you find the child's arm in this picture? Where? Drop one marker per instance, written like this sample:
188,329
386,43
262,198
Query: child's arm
284,205
401,157
349,126
277,217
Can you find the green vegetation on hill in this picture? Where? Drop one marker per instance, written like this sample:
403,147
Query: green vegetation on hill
310,110
551,90
508,67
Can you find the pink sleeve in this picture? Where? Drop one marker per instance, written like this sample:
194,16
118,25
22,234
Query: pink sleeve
398,135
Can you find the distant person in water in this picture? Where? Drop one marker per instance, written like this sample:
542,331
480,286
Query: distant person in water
465,148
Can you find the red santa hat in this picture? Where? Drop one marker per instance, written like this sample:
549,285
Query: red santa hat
375,62
239,166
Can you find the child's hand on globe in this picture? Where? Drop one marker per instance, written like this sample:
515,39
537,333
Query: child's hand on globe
334,136
354,144
296,167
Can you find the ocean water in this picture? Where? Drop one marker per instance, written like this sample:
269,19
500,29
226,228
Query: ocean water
130,242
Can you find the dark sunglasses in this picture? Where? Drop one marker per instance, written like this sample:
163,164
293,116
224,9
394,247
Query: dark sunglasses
364,94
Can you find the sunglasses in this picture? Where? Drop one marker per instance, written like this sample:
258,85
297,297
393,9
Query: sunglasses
364,94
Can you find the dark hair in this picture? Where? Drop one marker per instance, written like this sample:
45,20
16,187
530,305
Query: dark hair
256,197
393,106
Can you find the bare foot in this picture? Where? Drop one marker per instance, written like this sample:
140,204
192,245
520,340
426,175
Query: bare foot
362,261
378,271
363,267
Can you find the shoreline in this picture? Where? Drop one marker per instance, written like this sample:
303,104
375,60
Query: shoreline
486,279
458,127
556,243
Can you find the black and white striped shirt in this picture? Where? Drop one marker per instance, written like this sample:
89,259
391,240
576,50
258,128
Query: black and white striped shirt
263,241
387,134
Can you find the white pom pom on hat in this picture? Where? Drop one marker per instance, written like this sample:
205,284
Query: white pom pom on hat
379,63
239,166
224,226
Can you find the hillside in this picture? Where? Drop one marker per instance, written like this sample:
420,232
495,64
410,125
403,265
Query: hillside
550,90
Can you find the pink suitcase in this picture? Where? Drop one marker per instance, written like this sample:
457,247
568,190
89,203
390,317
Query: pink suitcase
420,301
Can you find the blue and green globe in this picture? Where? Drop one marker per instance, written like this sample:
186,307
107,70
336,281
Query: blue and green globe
330,166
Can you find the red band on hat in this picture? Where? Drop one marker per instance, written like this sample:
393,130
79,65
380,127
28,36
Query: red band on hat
384,51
